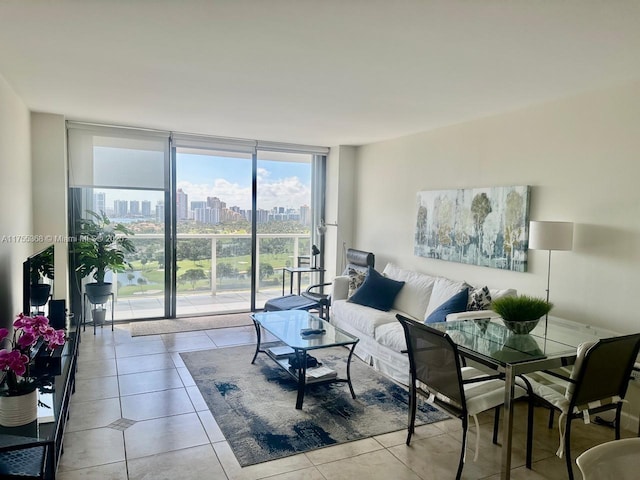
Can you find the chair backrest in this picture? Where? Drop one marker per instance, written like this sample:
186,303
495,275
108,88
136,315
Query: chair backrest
359,260
614,460
434,361
603,369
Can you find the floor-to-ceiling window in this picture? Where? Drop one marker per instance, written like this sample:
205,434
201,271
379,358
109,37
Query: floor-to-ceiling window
123,173
215,222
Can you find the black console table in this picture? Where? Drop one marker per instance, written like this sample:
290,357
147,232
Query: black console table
33,450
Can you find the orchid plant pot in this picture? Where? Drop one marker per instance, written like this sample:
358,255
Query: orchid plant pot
18,410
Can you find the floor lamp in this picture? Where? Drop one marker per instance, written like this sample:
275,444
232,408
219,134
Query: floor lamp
550,236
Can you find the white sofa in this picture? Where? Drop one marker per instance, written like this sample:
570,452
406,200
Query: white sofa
381,335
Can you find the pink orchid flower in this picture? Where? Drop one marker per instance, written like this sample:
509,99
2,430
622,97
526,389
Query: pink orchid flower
14,360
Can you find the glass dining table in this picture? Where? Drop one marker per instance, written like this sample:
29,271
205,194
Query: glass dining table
489,343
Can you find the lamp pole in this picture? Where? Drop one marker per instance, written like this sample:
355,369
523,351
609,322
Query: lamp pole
546,315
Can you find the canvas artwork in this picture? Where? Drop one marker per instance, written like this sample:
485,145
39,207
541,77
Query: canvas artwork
480,226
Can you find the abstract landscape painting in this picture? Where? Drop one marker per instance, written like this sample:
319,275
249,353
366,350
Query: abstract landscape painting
480,226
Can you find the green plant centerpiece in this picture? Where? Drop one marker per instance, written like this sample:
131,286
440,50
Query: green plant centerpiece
521,313
101,246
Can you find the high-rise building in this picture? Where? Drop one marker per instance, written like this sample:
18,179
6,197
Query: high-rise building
120,208
99,202
146,208
215,202
160,211
218,208
134,207
203,215
182,205
305,215
262,216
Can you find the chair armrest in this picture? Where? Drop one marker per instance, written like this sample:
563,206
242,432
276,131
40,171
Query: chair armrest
314,287
559,375
340,288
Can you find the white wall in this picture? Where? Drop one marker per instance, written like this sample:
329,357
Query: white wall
582,158
15,198
339,207
49,181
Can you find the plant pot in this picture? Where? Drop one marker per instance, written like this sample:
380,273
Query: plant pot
17,410
521,327
98,315
39,294
98,293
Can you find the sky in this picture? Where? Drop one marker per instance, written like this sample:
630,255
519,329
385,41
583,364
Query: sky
280,183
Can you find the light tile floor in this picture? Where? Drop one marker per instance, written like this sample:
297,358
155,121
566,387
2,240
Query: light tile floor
137,414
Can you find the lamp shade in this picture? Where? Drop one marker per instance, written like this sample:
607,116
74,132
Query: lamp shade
551,235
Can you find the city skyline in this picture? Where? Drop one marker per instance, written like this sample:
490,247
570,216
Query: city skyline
213,210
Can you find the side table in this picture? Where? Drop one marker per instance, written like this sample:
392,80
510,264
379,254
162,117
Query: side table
299,271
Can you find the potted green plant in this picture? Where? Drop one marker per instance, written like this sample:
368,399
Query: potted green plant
40,267
101,246
521,313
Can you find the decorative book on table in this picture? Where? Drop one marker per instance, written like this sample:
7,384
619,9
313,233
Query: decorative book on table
316,374
281,351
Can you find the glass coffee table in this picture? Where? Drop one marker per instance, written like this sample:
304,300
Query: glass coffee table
302,332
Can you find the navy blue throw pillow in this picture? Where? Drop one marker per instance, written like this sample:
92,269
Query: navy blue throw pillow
456,304
377,291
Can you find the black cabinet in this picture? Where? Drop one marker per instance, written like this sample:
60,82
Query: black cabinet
33,450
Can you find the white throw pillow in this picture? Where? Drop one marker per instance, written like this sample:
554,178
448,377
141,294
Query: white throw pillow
414,296
507,292
443,290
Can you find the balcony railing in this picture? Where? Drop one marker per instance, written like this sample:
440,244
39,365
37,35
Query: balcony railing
146,280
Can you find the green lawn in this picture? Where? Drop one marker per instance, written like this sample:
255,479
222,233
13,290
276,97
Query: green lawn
155,277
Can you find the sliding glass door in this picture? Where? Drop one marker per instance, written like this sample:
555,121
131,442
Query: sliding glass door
284,222
213,231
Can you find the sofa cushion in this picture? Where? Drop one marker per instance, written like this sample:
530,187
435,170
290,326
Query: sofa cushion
363,319
443,290
377,291
414,296
391,335
356,279
457,303
479,298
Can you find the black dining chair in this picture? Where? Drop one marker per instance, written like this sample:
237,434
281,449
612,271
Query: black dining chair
597,382
436,374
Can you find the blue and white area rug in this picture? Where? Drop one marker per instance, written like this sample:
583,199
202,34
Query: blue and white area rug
254,405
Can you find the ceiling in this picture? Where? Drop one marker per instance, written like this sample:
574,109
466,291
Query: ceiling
332,72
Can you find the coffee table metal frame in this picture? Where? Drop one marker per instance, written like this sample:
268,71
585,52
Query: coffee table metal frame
286,326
